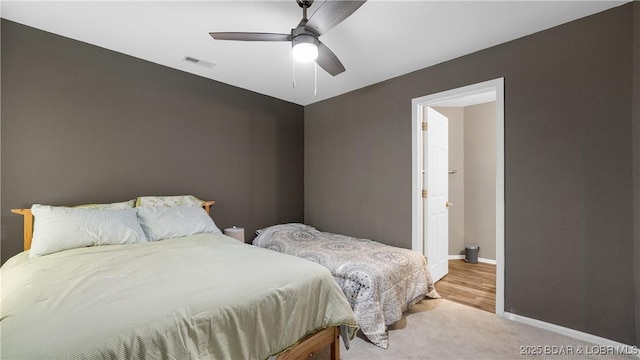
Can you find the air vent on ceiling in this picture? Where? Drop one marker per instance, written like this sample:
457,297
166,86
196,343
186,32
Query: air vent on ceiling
199,62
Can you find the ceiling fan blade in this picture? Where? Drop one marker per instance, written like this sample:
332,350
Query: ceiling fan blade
250,36
328,60
332,13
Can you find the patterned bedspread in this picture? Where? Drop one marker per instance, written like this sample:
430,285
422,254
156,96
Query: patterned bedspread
379,281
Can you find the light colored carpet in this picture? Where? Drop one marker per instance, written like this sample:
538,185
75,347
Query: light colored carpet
442,329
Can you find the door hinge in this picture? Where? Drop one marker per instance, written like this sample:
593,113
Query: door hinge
425,193
425,126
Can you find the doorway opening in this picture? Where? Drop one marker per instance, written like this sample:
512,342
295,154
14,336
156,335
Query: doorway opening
430,207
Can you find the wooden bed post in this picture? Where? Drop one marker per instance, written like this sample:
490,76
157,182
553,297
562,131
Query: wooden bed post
28,226
207,205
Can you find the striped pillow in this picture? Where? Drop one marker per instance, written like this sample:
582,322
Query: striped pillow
179,200
63,228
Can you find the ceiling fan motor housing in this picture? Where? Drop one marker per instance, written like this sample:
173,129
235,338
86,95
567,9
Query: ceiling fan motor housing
302,35
302,29
304,38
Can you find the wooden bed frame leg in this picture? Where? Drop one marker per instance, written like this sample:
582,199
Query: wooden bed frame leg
335,346
314,343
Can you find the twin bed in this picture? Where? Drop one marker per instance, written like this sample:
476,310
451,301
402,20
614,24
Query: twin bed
182,291
379,281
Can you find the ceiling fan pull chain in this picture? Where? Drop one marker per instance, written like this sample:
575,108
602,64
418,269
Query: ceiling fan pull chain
294,73
315,79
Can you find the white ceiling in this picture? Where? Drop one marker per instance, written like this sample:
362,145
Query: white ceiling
382,40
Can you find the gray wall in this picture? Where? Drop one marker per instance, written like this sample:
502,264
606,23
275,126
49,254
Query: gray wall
568,164
636,159
81,124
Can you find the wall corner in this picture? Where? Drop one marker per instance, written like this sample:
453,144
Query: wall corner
635,126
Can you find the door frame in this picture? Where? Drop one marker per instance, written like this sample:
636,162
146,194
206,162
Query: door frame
417,105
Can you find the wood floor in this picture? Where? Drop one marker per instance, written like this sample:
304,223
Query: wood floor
470,284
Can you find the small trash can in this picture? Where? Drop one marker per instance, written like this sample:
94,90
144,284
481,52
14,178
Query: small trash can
471,254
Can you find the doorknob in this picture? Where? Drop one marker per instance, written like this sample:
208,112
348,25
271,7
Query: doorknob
448,204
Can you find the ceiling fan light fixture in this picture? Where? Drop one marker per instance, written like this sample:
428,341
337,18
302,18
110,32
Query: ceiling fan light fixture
305,48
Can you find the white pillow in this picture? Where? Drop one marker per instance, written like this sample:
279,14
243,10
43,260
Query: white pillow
63,228
168,222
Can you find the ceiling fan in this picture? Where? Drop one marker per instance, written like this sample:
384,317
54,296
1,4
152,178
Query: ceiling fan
304,38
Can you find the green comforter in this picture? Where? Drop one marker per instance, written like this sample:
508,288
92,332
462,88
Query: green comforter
205,296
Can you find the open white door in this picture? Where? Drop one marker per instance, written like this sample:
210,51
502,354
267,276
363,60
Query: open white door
435,200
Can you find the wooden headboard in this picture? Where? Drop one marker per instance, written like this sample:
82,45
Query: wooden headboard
28,222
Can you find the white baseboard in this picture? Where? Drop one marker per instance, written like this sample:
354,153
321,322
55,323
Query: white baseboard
482,260
487,261
602,346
